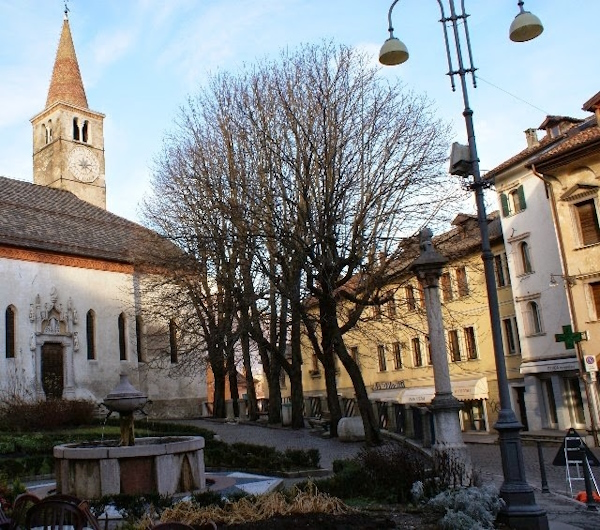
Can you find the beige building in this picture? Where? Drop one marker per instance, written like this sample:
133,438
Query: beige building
391,344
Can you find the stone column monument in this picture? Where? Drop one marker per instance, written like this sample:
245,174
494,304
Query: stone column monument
451,457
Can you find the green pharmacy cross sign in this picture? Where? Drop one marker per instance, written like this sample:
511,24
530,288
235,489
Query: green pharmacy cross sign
569,337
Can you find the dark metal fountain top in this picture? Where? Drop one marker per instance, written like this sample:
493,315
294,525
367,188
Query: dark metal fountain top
125,398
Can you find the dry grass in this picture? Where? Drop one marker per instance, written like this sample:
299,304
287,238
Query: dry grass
251,509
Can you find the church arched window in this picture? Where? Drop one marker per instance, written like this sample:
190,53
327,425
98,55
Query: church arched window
139,335
173,340
44,134
90,329
10,322
75,129
84,132
49,131
122,343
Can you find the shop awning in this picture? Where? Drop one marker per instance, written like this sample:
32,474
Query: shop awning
462,390
564,364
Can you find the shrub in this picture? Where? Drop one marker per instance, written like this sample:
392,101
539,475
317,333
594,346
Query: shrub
27,416
261,458
132,507
394,468
468,508
385,473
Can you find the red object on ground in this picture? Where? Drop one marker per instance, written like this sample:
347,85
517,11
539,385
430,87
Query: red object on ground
582,496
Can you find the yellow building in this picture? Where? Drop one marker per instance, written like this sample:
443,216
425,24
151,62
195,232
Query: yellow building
391,344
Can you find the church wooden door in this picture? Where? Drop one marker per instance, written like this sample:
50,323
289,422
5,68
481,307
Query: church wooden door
52,370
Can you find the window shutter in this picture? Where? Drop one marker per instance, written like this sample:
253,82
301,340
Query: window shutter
521,195
588,222
505,207
595,288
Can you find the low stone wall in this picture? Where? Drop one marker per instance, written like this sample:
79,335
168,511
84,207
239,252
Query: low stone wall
165,465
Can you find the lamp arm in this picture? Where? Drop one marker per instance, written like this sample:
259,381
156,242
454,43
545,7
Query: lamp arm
390,27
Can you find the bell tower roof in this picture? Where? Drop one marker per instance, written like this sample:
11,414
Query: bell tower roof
66,84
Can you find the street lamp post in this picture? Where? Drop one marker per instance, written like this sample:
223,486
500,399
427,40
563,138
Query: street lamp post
520,510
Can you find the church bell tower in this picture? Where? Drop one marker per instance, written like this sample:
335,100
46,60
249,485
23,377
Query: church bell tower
68,137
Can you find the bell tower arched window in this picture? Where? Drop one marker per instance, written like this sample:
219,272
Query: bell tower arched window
84,132
75,129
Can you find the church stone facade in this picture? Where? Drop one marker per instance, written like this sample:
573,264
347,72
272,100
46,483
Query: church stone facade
73,312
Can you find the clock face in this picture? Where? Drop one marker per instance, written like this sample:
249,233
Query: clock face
83,164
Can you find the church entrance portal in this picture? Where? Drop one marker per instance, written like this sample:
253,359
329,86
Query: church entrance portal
53,380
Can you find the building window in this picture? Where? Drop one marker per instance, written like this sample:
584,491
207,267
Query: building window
594,293
381,357
90,334
587,217
122,342
501,269
315,364
461,281
377,312
454,345
524,253
446,287
354,354
411,303
513,202
10,323
173,341
416,350
139,338
533,318
391,307
470,342
429,359
84,131
511,336
420,293
397,355
550,403
417,355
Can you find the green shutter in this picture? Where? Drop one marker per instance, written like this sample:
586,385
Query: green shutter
505,207
521,194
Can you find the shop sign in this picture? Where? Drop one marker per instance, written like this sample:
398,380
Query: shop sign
590,363
387,385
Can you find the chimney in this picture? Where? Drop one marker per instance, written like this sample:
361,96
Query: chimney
532,138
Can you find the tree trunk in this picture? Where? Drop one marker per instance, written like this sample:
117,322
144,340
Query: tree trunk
274,391
295,373
250,388
218,369
370,422
328,324
233,382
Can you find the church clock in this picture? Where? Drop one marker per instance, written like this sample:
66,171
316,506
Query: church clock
83,164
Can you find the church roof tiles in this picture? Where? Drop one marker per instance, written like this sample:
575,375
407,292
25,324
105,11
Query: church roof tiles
40,218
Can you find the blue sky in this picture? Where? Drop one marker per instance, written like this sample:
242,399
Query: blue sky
140,59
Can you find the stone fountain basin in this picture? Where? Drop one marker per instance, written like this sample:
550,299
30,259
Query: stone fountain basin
164,465
125,405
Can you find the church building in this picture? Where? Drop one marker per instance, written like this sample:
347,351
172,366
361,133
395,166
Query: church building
73,311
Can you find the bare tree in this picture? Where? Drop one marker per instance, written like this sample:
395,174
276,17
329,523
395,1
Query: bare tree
308,175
